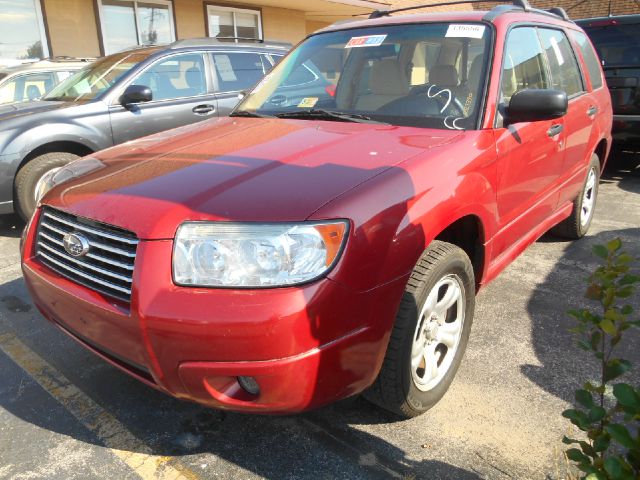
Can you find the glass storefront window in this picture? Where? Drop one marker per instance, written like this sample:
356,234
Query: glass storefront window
126,24
234,23
22,34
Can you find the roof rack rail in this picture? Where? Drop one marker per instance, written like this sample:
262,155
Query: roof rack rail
206,41
560,12
523,4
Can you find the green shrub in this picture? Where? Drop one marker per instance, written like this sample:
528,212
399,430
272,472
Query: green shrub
609,414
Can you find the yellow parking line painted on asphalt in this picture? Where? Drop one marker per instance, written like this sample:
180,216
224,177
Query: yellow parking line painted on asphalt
115,436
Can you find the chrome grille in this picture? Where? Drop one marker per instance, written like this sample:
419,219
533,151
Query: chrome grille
108,265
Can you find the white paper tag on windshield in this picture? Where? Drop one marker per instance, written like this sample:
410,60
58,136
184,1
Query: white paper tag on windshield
465,31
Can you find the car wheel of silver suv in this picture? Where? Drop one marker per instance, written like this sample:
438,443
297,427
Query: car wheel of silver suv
28,178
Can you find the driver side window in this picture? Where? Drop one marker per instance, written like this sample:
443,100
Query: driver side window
523,65
177,76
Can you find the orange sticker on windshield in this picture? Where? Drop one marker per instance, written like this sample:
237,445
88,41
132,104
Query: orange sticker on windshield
308,102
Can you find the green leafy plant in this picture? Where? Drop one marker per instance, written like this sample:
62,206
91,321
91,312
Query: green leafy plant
607,412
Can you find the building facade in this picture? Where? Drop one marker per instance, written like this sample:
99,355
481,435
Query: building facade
90,28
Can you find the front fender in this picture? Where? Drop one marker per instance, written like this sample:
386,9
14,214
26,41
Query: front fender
397,214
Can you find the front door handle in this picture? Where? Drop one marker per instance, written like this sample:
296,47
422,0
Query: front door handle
204,109
592,110
555,130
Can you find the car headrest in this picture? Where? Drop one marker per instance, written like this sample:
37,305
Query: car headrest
388,78
444,75
194,78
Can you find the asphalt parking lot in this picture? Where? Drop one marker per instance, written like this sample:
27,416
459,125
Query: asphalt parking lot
65,414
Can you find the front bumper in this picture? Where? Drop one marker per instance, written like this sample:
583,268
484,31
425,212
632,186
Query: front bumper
305,346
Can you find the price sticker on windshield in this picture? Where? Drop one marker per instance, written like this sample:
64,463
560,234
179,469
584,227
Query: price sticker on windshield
465,31
366,41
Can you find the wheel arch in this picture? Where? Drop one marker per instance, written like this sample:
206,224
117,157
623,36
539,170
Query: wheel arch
468,233
602,149
64,146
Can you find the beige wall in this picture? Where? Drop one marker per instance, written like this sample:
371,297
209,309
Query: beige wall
72,28
312,25
278,23
284,25
189,17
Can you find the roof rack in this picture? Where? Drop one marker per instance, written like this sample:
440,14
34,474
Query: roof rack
513,5
67,58
210,41
523,4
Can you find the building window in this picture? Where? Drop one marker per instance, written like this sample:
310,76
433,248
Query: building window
234,23
127,23
22,36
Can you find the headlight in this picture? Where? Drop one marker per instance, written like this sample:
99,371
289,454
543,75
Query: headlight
255,255
59,175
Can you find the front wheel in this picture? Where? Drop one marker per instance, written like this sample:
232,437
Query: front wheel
577,224
430,334
29,177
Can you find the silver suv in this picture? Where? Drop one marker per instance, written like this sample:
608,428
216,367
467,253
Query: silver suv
120,98
30,81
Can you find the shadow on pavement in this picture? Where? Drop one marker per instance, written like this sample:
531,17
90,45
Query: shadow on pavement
319,444
10,226
624,169
564,366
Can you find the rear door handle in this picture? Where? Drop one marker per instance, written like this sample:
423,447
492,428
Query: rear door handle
592,111
205,109
555,130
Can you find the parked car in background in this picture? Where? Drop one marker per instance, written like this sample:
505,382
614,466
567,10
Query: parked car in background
289,256
617,40
120,98
31,81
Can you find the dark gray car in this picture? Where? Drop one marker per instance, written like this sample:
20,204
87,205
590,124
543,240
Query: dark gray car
119,98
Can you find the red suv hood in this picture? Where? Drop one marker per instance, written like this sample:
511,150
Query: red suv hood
236,169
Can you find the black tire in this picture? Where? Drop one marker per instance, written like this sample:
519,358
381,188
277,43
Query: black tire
395,389
572,227
28,176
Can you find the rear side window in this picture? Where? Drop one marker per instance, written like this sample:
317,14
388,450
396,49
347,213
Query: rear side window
590,58
523,65
563,66
237,71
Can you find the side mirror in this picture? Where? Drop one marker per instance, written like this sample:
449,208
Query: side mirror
136,94
532,105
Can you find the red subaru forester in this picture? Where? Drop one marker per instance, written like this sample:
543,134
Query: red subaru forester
330,236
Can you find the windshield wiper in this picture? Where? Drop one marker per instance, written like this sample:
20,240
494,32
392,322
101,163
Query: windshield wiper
247,113
320,113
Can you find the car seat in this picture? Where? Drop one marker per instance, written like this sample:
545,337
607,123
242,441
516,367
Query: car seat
33,92
388,82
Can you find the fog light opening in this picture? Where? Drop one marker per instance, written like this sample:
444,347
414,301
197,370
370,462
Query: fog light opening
249,385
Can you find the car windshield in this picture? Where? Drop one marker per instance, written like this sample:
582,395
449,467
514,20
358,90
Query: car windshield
93,80
424,75
617,45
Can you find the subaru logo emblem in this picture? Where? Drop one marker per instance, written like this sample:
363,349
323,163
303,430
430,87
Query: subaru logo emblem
75,244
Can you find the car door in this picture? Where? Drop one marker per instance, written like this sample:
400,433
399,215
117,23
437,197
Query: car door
182,94
566,75
235,72
530,154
